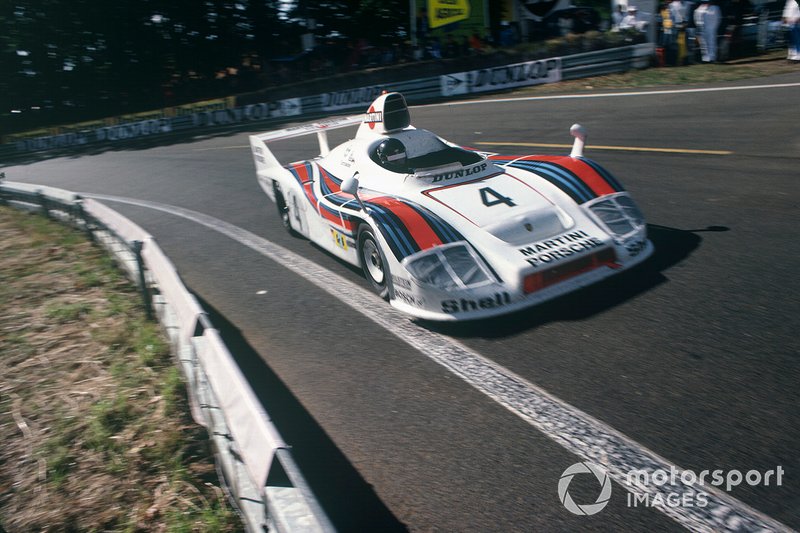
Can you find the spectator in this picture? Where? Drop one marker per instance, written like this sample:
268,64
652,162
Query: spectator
791,18
506,37
711,18
450,47
564,24
666,37
422,24
434,48
476,43
617,16
630,21
679,12
700,32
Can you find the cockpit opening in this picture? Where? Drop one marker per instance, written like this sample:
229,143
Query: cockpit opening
393,155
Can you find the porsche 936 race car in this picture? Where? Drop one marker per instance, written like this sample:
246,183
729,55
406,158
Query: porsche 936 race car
448,233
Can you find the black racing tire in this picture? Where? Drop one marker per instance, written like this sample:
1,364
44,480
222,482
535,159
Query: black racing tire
373,261
283,210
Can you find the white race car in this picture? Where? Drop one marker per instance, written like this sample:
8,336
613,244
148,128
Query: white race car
447,233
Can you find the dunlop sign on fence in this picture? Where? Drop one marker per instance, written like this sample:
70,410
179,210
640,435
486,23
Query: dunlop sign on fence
505,77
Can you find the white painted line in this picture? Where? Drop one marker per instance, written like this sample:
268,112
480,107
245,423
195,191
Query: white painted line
615,95
578,432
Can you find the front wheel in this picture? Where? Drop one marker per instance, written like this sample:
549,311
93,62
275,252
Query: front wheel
373,262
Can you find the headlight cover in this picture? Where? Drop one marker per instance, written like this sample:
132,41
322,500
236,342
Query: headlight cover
619,215
449,267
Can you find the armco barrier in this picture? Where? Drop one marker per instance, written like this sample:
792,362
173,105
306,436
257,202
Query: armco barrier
306,106
247,446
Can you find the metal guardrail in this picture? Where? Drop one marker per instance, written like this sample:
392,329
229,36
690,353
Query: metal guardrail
248,448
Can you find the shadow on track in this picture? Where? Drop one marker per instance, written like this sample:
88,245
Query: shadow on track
671,247
349,501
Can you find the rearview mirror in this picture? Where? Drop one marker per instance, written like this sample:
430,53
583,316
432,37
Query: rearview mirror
579,132
350,185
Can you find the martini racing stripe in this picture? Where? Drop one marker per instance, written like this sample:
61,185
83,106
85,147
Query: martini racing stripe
408,228
445,231
558,176
581,179
605,174
400,240
303,173
599,185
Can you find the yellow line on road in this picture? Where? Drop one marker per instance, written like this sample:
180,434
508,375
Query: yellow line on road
618,148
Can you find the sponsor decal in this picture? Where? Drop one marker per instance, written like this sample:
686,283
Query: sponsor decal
560,247
409,298
464,305
468,171
397,281
373,117
362,96
258,154
201,107
444,12
453,84
53,141
340,239
636,247
349,158
133,130
505,77
248,113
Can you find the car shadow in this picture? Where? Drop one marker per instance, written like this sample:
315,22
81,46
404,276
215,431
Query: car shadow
349,501
671,247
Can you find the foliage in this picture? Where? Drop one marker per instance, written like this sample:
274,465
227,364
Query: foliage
79,56
86,59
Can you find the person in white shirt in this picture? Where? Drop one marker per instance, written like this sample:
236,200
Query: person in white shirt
711,22
677,11
791,18
630,21
707,18
699,18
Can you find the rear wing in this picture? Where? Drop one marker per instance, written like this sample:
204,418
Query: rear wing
265,160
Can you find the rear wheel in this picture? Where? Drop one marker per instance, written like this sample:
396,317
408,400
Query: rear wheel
283,210
373,262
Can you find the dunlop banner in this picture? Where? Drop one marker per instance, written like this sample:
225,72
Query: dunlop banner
505,77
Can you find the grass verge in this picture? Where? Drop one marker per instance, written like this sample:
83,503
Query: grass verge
93,412
772,63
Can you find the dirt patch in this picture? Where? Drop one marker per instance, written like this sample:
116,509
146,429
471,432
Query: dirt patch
93,412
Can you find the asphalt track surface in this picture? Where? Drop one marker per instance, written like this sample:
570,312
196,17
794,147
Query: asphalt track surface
693,356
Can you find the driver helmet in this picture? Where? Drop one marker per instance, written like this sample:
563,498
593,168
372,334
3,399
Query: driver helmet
392,154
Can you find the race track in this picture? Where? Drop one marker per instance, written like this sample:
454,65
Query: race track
692,357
